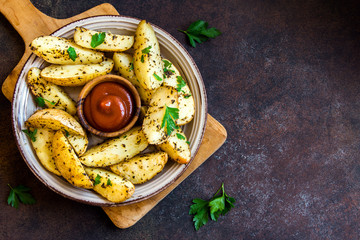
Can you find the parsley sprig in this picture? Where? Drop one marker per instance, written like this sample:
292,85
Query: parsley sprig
180,83
30,134
219,204
20,194
97,179
199,32
97,39
171,115
72,53
40,101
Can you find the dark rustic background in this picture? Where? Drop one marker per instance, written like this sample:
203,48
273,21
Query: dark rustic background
283,79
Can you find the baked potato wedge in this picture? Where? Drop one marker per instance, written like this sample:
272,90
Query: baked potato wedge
177,147
55,50
148,65
55,119
142,167
111,43
185,98
164,99
76,75
79,143
116,150
43,149
123,64
68,163
50,92
109,185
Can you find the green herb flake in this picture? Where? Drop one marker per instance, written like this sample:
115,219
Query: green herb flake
72,53
187,96
97,39
109,182
131,66
170,116
180,83
188,142
199,32
180,136
142,58
157,77
219,204
20,194
67,133
97,179
167,65
30,134
41,101
146,50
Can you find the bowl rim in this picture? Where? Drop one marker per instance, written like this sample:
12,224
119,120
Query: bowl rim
86,90
112,204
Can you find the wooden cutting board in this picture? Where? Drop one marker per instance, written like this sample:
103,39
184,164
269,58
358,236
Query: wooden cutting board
30,23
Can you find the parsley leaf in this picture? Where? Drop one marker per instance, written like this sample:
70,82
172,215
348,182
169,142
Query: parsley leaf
180,83
97,39
188,142
109,182
131,66
142,58
72,53
199,32
20,193
41,101
219,204
180,136
157,77
67,133
97,179
31,134
170,116
167,65
146,50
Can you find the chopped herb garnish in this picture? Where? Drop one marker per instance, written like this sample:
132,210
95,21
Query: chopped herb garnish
72,53
131,66
180,83
142,58
199,32
97,39
167,65
157,77
97,179
109,182
41,101
20,194
219,204
31,134
187,95
66,133
171,115
188,142
180,136
146,50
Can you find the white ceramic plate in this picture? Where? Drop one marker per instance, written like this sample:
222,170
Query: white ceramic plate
23,106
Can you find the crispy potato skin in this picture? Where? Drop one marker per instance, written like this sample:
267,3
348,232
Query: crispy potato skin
76,75
147,65
112,187
68,163
43,149
122,64
178,149
49,91
162,98
54,50
55,119
116,150
141,168
185,98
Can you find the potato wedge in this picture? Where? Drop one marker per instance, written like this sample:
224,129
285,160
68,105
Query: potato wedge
141,168
43,149
185,98
76,75
55,50
112,42
147,60
68,163
49,91
112,187
79,143
55,119
116,150
177,147
122,64
163,98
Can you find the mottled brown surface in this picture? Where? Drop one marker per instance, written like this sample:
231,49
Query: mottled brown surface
284,81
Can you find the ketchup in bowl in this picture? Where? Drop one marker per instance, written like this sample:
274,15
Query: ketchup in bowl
109,107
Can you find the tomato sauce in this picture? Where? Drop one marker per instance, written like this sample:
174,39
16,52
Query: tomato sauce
109,107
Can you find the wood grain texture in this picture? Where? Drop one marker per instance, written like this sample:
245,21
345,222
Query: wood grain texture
126,216
34,23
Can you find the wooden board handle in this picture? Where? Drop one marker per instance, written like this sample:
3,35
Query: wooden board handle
30,23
